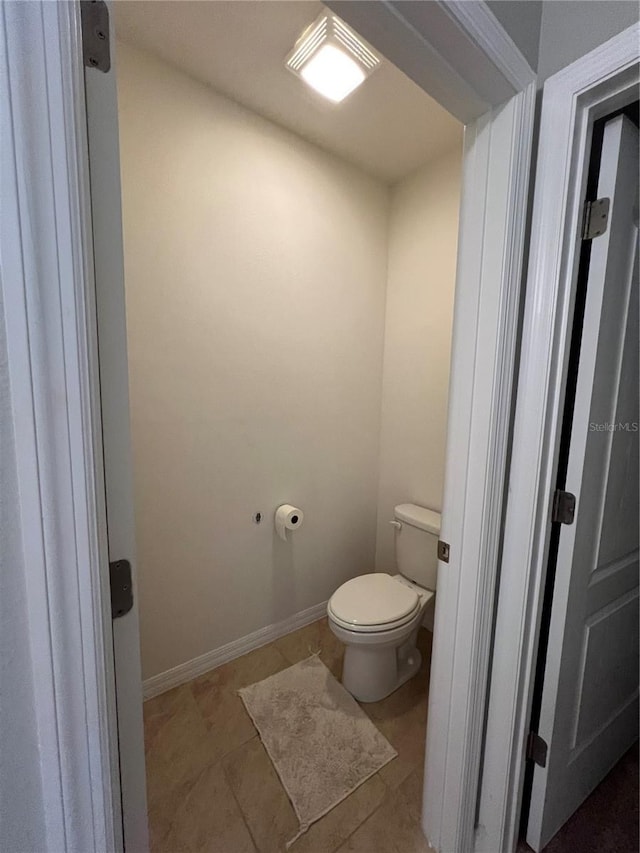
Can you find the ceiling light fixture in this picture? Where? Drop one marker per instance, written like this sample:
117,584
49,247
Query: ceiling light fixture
331,58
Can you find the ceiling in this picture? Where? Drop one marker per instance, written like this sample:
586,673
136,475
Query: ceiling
389,126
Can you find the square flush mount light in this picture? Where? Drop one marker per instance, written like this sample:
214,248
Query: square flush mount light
331,58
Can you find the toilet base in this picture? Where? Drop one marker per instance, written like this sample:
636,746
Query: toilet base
371,673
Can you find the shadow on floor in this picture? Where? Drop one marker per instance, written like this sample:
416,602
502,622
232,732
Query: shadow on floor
607,821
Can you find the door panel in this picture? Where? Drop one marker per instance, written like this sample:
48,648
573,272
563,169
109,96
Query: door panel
615,628
589,711
104,166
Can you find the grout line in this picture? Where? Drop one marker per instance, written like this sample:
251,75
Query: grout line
237,802
388,790
368,817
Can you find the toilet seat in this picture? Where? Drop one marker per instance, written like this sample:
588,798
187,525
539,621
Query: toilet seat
373,603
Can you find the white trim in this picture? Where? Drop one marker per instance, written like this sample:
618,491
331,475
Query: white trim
481,25
110,336
47,287
184,672
487,300
586,90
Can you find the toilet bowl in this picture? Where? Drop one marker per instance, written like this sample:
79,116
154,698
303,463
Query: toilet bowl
377,616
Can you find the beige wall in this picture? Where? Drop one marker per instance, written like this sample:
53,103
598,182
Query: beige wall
255,275
421,280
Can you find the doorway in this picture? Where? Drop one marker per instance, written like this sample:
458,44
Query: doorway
289,296
55,340
485,272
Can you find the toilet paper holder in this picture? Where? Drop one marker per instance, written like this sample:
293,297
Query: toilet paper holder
287,517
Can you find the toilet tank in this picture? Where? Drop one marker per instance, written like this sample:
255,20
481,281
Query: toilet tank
417,543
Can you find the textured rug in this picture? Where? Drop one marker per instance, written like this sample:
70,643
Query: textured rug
322,744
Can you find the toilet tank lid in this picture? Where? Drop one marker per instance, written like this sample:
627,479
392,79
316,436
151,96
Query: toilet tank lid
419,516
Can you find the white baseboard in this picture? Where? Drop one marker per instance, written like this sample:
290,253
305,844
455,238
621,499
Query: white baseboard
210,660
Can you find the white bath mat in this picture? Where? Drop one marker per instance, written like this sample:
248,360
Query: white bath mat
322,744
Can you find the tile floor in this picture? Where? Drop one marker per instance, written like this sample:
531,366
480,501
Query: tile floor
211,786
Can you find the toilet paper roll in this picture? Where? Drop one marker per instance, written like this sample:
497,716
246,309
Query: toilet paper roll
288,518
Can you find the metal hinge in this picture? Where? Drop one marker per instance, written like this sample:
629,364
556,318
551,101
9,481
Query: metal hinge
564,507
443,551
595,218
95,34
121,588
537,749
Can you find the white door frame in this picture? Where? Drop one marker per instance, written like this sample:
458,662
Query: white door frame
589,89
48,295
459,53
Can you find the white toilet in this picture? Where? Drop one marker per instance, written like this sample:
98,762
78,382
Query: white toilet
377,616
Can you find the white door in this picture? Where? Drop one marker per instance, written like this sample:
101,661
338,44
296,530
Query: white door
104,166
589,713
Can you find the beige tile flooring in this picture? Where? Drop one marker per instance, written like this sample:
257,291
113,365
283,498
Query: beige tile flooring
212,787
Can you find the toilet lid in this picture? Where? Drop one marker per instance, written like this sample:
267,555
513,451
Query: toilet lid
375,599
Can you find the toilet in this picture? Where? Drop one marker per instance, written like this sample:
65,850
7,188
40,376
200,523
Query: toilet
377,616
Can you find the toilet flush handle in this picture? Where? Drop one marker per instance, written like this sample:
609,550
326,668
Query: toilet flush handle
396,524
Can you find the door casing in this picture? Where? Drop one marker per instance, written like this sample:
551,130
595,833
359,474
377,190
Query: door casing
597,84
458,52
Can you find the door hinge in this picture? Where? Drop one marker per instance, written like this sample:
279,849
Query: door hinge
443,551
96,51
595,218
564,507
121,588
537,749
